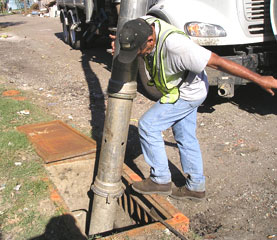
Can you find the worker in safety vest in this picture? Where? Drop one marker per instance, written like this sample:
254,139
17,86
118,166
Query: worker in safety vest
176,66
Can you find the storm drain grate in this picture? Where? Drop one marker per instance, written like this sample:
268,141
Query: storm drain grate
143,209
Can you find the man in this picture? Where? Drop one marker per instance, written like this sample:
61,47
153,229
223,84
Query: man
176,66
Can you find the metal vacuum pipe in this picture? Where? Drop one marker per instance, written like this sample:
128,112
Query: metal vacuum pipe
122,88
129,9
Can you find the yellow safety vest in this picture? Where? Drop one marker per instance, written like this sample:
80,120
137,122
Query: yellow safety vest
155,64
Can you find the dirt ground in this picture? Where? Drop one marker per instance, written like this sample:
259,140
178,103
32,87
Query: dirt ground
237,136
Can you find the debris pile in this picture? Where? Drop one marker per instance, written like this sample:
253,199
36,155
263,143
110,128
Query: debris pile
44,10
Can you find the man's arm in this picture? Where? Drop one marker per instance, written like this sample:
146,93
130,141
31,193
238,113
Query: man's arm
225,65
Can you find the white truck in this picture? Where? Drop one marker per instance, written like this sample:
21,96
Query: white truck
244,31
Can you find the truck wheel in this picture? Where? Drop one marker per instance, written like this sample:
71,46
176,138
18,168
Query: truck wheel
65,33
75,36
150,92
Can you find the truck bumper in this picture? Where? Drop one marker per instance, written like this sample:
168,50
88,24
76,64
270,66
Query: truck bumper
262,62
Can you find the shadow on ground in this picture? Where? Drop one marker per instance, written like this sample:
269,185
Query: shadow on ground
253,99
61,228
250,98
9,24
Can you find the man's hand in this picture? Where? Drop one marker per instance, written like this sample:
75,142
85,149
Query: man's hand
268,83
113,37
222,64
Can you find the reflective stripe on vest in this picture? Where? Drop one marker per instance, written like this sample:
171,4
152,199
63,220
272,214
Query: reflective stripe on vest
168,88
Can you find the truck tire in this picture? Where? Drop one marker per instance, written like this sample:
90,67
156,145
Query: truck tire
75,36
65,33
150,92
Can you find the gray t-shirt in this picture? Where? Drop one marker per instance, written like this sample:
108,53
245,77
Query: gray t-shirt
181,54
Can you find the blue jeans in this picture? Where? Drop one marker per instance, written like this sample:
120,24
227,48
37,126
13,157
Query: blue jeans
181,116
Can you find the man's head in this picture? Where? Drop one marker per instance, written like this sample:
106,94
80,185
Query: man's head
135,38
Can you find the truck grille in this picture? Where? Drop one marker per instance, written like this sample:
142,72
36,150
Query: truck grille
258,16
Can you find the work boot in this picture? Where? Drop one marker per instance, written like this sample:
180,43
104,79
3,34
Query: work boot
147,186
181,193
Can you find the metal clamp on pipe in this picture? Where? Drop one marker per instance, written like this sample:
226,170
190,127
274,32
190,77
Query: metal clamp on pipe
107,190
123,79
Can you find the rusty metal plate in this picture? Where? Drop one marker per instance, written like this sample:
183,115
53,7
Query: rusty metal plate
55,141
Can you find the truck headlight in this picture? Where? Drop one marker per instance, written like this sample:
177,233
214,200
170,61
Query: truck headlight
199,29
